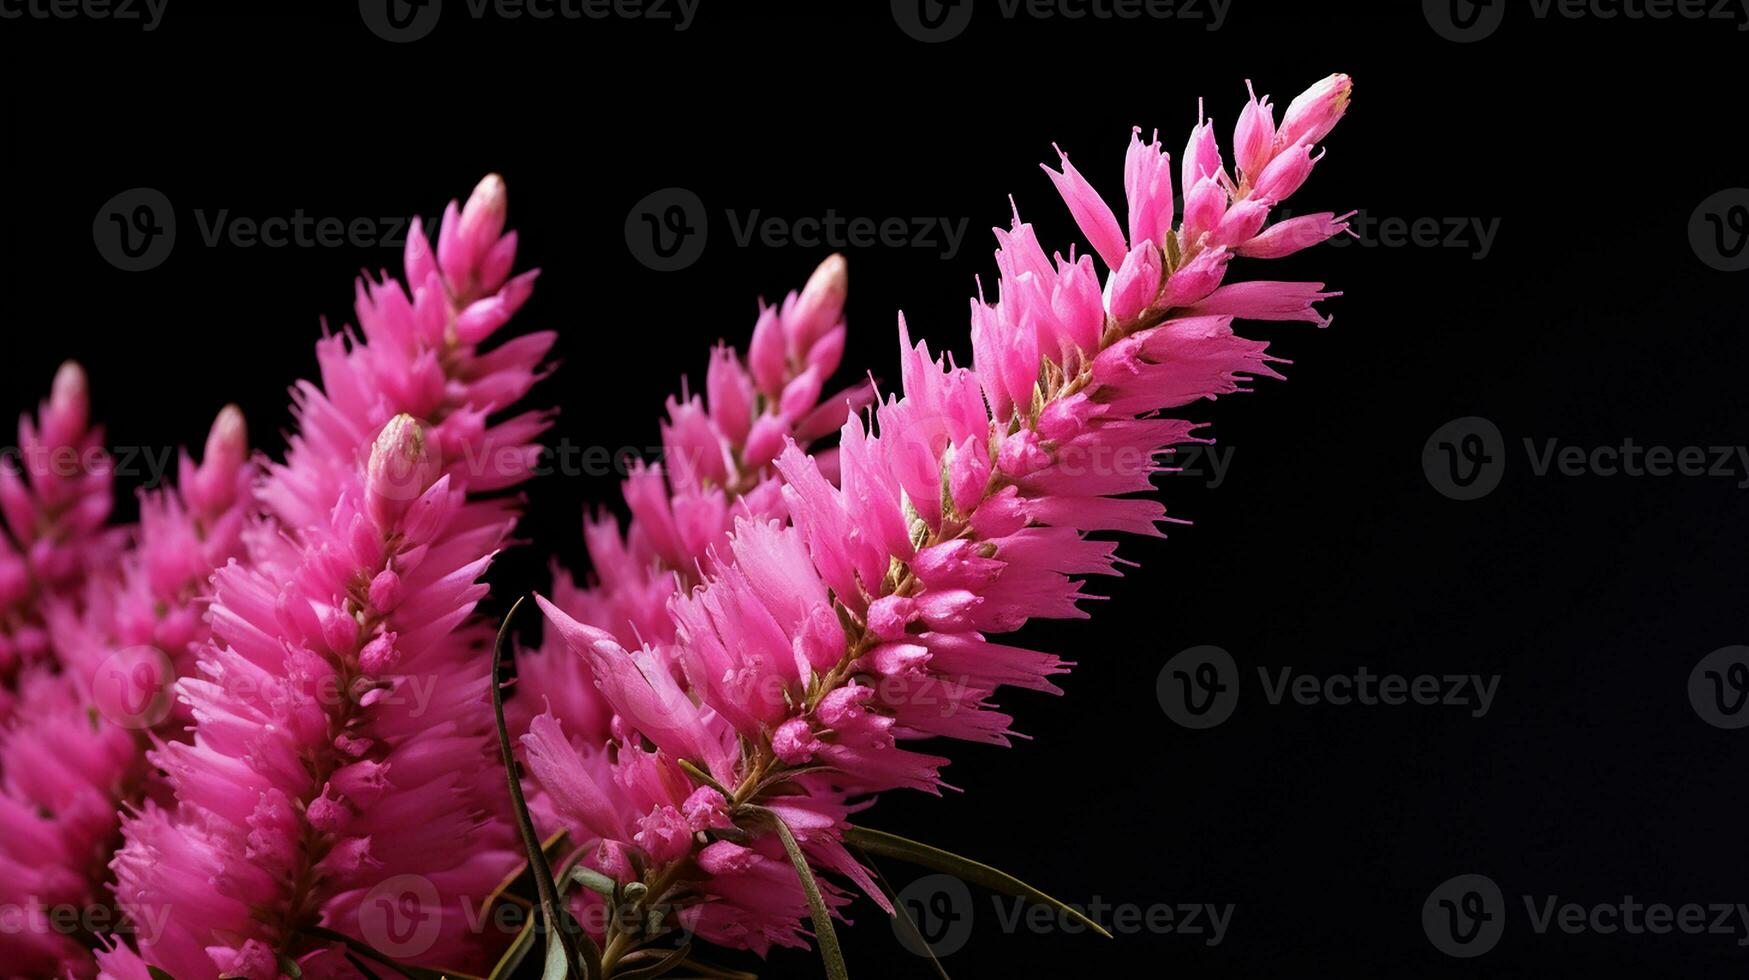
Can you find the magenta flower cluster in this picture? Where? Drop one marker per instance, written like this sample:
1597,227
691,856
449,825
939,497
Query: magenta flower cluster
232,729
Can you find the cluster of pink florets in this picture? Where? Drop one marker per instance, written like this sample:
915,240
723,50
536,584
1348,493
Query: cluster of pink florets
241,717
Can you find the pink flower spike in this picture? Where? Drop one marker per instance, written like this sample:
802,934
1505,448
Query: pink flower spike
1091,212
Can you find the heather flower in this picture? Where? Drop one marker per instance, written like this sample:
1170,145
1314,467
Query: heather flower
817,639
343,736
121,648
56,494
718,453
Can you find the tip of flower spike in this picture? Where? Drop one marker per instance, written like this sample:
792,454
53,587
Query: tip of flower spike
483,215
71,391
821,302
229,437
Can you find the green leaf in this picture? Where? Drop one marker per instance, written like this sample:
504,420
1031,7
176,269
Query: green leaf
966,869
524,942
593,880
660,967
903,915
290,967
158,974
704,777
824,934
517,952
558,961
570,948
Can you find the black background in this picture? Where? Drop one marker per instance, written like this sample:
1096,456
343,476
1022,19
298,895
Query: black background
1591,319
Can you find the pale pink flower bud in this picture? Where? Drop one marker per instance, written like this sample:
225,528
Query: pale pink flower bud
820,305
729,392
1203,209
1314,112
1285,173
1288,237
1254,136
1196,278
1148,186
766,355
794,742
706,809
399,471
69,408
1241,222
416,256
560,770
385,591
380,655
727,858
1090,211
663,834
1136,283
1202,155
213,485
889,615
1076,301
463,243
